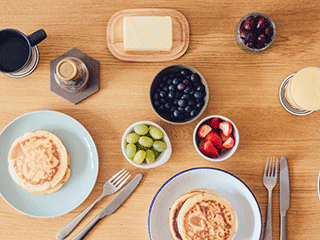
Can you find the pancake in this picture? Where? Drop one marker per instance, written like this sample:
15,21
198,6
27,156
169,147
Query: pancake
201,214
39,162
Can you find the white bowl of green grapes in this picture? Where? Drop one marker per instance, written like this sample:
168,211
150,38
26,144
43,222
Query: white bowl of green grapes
146,145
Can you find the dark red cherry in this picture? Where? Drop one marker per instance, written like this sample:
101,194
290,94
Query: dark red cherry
268,32
249,23
262,23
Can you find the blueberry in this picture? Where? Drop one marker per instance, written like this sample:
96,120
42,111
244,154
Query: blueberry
186,97
187,89
165,88
171,94
175,101
169,81
172,87
199,105
181,86
198,95
167,105
185,72
161,108
175,81
188,109
181,109
193,113
195,78
186,82
156,96
162,94
201,88
191,103
162,100
181,103
156,103
176,113
173,108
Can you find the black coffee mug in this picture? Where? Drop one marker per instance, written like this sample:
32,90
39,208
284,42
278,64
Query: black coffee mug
15,49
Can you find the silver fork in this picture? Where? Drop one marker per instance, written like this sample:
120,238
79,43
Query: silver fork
270,177
109,188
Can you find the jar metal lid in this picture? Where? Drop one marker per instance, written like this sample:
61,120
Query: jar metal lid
67,69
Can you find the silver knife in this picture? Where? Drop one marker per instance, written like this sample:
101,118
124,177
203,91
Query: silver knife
113,205
284,197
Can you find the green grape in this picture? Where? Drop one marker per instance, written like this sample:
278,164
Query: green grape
141,129
150,157
146,141
155,132
139,157
131,150
132,137
159,146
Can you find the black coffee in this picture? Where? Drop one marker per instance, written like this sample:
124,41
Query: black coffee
14,53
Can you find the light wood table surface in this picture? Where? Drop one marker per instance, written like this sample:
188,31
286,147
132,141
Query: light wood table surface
243,87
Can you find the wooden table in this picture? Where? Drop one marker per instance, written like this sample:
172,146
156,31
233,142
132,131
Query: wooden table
243,87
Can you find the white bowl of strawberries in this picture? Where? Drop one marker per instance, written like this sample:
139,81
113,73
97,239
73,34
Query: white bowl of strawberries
216,138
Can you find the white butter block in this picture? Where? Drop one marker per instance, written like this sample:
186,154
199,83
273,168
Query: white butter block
147,33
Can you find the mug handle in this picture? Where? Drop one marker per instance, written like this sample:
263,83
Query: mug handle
37,37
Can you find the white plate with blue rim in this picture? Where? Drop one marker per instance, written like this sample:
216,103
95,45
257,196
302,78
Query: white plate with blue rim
84,164
221,182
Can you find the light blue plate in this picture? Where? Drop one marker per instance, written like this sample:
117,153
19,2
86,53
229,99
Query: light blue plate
84,164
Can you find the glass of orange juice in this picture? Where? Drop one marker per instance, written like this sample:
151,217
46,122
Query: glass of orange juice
300,92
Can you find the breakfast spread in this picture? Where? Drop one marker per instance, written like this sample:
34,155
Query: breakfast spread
202,214
147,33
215,136
39,162
145,144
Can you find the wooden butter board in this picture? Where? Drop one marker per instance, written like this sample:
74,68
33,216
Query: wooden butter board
180,36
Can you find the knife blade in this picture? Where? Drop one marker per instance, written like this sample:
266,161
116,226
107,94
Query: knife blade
117,201
284,196
112,206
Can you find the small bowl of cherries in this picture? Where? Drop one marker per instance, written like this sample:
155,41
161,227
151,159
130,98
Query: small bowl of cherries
255,32
179,94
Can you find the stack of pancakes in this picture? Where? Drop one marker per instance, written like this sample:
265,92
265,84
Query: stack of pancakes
39,162
201,214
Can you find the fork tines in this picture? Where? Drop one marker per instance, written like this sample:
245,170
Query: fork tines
271,169
120,178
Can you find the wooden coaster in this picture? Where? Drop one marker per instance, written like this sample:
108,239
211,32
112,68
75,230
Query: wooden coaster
93,84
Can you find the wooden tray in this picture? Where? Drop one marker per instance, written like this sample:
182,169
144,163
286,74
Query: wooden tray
180,35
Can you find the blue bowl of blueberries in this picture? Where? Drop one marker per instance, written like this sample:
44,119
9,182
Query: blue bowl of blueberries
179,94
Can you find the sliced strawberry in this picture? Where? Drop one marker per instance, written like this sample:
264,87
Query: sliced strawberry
214,123
226,128
216,140
229,143
204,130
223,137
209,150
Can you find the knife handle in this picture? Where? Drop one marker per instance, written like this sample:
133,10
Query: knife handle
283,227
66,230
87,228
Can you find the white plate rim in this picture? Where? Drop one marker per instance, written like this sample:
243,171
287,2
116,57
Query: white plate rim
196,169
93,151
